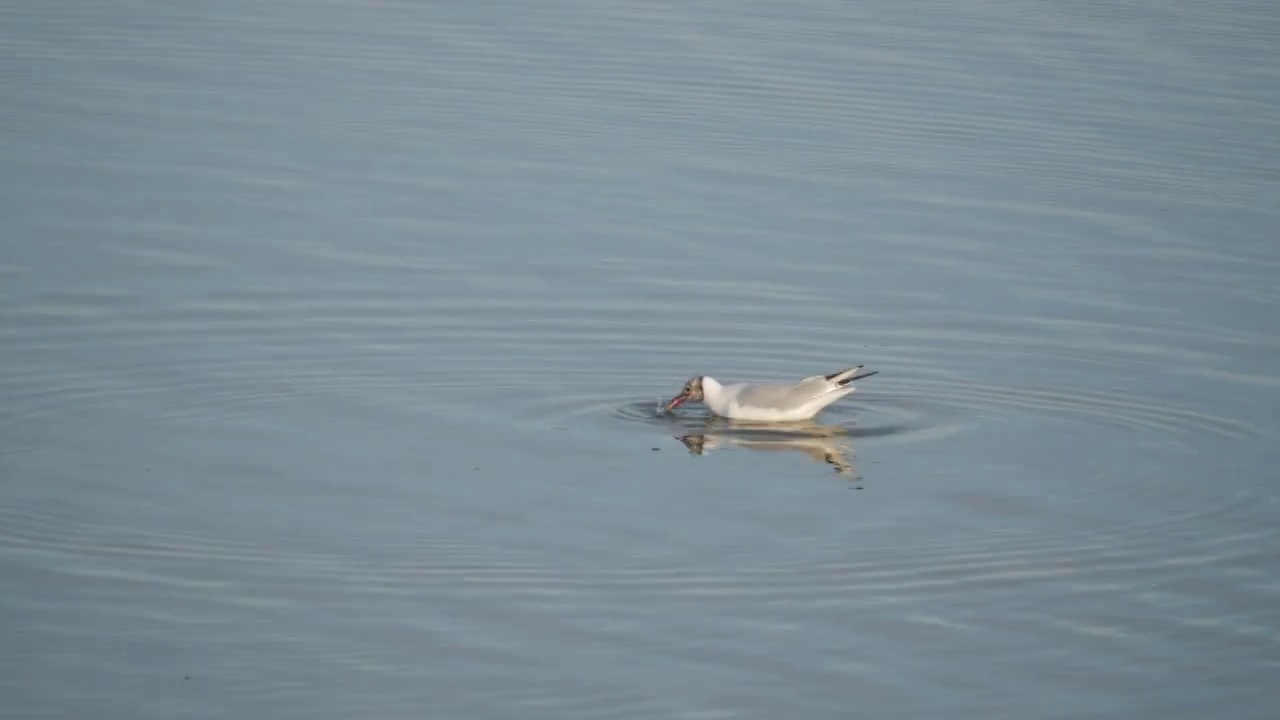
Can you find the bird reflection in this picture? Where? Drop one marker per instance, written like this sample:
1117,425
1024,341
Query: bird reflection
822,443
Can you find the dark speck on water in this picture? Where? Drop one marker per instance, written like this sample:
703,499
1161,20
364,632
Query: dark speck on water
305,263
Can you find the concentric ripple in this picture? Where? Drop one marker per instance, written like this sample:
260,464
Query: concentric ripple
331,340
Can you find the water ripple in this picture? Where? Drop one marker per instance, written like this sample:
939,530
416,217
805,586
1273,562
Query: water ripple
281,289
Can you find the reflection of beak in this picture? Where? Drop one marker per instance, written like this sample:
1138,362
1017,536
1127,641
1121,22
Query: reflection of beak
694,443
677,401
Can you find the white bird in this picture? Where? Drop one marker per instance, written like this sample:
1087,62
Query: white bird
769,403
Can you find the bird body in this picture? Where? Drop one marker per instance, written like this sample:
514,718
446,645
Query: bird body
777,402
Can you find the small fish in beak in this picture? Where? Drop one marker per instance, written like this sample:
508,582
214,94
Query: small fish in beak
676,401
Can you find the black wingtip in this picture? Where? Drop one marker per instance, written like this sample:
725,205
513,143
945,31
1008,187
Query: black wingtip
859,377
840,372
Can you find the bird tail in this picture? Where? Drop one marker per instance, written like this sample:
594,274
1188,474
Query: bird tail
848,375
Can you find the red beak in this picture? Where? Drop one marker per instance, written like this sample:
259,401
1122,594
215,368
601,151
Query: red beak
677,401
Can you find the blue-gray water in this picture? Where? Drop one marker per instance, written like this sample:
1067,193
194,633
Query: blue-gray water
331,332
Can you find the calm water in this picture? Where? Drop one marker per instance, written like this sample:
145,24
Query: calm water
331,333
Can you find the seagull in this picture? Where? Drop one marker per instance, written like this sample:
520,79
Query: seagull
769,403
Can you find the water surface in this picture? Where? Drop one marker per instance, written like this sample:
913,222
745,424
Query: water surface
330,336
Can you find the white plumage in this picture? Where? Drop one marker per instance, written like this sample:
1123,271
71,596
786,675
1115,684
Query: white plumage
770,402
